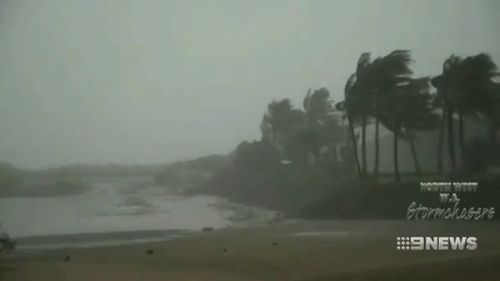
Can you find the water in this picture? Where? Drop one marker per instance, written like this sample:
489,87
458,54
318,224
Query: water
122,209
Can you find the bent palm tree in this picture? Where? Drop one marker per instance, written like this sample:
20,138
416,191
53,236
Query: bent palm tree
353,110
283,121
318,108
409,110
367,92
385,73
463,90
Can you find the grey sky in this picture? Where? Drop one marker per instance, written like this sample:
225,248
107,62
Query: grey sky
158,81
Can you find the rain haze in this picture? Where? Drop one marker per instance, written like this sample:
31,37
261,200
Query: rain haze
249,140
160,81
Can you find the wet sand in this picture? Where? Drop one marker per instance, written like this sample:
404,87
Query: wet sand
300,250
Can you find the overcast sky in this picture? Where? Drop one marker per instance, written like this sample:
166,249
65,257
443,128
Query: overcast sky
158,81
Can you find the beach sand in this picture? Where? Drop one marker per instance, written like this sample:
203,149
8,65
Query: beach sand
293,250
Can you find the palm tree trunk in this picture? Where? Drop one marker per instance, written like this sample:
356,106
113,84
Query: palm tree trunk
377,148
355,145
363,147
441,143
316,154
416,163
492,138
397,177
461,137
451,138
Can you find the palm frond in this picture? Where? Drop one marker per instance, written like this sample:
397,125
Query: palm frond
350,84
363,62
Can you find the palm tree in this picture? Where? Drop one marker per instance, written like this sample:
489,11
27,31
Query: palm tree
420,114
409,109
384,74
367,91
441,135
492,112
472,95
357,107
443,83
316,107
322,125
352,108
463,90
283,122
358,103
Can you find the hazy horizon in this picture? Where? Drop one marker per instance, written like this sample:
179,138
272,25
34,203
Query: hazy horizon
158,81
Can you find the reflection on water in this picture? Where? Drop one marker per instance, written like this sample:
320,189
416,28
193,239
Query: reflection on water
113,205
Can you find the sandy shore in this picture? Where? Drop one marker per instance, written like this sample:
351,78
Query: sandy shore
300,250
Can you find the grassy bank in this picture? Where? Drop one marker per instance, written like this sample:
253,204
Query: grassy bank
323,194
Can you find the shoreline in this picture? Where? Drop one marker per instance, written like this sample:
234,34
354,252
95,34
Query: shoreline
292,250
96,239
236,215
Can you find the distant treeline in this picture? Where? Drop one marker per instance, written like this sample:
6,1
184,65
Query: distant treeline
106,170
189,174
15,182
72,179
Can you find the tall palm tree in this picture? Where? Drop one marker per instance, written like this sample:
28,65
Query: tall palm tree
492,112
441,136
358,104
317,105
443,83
320,131
384,74
284,122
409,109
420,113
362,90
472,85
367,91
353,110
314,106
463,90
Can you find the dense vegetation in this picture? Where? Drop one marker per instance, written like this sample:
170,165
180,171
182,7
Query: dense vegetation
313,160
185,175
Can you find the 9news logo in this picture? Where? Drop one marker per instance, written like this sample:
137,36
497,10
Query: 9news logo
439,243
